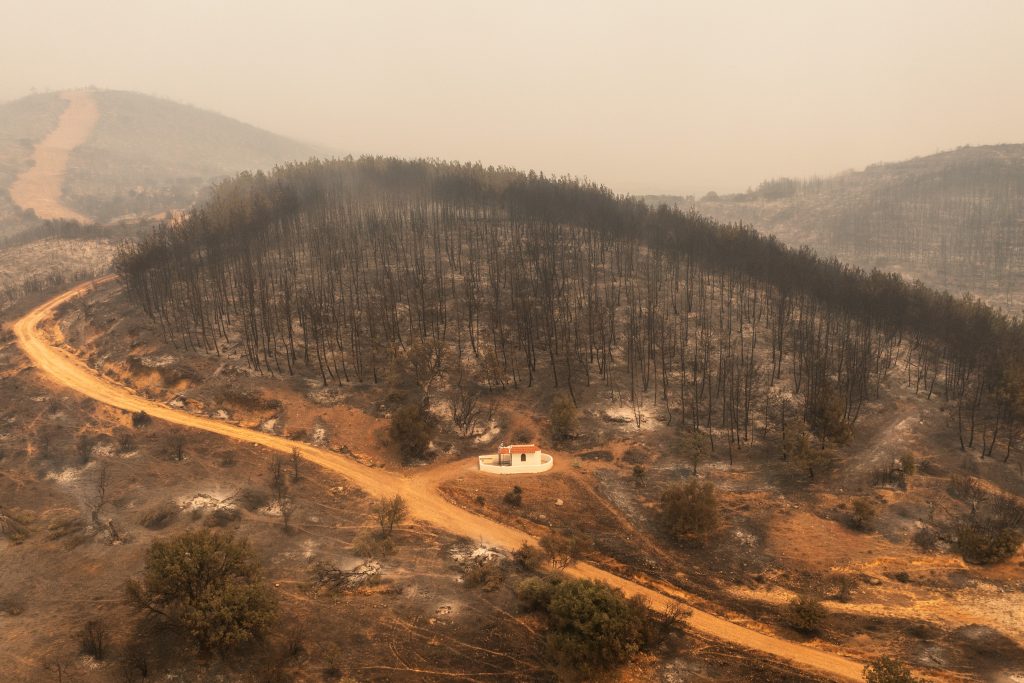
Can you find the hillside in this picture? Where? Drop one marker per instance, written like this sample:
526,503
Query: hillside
780,452
416,310
955,219
148,155
124,155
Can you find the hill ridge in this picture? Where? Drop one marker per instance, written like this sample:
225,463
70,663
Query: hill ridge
144,156
953,219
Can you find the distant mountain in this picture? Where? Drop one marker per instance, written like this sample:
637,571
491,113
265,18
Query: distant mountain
954,220
130,155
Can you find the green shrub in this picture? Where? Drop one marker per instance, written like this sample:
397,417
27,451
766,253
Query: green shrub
805,614
534,593
160,516
689,512
412,428
486,574
563,418
825,414
514,497
223,516
888,670
926,538
865,511
528,558
591,626
371,545
252,499
981,543
991,532
843,584
639,476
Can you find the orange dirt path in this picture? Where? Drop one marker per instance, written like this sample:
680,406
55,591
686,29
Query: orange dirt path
40,188
425,503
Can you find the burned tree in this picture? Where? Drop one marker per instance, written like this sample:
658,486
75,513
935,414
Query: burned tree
354,268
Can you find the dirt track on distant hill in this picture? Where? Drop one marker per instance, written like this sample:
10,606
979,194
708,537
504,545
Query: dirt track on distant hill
40,188
425,503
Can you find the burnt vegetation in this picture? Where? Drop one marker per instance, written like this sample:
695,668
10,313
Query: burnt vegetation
348,268
950,217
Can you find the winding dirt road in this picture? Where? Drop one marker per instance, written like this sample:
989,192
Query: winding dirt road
425,503
41,187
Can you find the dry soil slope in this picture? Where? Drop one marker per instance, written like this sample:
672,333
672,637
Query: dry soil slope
425,502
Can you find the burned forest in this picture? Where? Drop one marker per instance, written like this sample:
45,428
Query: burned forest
338,268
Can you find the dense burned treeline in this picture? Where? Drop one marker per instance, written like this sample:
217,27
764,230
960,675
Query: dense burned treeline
342,267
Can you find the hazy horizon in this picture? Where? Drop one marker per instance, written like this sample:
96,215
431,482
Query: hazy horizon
644,98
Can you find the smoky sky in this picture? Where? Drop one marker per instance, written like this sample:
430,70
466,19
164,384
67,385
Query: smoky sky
674,97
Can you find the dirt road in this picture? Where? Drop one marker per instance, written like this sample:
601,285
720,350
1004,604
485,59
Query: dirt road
425,503
41,187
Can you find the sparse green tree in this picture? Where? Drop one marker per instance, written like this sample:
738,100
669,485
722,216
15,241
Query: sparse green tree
563,418
207,584
801,454
424,362
695,447
412,428
176,446
827,417
287,510
390,512
84,447
93,639
562,549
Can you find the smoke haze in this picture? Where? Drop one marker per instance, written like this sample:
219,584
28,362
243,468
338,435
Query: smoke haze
646,97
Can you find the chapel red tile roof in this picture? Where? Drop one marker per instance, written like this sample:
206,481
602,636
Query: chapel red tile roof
517,449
